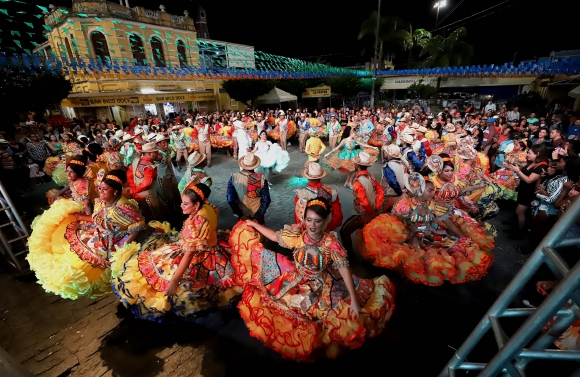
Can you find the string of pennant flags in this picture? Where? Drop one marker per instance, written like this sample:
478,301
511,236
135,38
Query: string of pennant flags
216,59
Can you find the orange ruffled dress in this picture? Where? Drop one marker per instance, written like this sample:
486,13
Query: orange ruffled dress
384,241
300,308
275,133
140,280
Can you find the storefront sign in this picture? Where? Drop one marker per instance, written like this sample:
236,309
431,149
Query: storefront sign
319,91
136,99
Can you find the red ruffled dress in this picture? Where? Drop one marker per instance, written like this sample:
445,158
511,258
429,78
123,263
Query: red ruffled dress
300,307
433,256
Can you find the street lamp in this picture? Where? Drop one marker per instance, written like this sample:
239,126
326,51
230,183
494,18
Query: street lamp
439,4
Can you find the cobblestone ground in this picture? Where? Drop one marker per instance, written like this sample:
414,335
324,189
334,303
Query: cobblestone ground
54,337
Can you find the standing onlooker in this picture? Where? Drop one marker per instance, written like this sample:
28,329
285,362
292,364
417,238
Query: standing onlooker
514,114
557,122
556,136
490,107
203,139
488,136
37,150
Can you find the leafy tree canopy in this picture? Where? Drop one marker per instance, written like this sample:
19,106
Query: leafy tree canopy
420,90
22,91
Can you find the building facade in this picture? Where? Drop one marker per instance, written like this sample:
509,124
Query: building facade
102,32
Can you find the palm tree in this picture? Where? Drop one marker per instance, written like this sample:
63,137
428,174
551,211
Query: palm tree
447,52
387,30
410,39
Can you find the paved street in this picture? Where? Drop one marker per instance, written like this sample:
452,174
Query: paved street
54,337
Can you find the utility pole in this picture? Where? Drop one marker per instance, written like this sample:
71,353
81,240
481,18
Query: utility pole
375,60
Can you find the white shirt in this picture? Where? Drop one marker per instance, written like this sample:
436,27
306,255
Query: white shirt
244,142
511,115
490,106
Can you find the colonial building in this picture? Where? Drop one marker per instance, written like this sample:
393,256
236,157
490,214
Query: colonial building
100,31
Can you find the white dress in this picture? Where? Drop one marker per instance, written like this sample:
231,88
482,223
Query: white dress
271,155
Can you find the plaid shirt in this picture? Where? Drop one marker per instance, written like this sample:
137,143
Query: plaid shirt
38,152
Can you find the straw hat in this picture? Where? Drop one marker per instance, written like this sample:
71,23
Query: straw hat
249,161
312,131
435,163
195,158
466,140
119,134
415,125
466,152
127,137
449,127
314,171
151,137
160,137
138,131
392,150
408,138
363,159
192,182
422,129
149,147
3,141
281,113
415,183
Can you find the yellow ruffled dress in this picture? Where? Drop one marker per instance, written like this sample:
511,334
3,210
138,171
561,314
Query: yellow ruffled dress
70,258
140,280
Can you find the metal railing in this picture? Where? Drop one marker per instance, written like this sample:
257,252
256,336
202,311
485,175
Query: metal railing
515,353
18,236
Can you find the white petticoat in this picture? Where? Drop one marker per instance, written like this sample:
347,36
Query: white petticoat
274,157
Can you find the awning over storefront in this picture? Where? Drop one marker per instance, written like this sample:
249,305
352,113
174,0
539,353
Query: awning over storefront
132,98
403,82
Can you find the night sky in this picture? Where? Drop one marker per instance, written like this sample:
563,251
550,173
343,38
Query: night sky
309,29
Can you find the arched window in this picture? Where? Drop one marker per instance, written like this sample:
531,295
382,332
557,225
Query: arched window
68,49
181,53
100,46
137,49
157,48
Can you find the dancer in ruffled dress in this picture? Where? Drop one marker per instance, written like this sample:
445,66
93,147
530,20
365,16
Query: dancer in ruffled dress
70,251
271,155
448,141
187,276
311,304
342,157
423,241
79,187
515,155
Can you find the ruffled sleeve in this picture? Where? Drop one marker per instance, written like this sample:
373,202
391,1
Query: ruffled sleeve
289,238
337,252
195,234
127,216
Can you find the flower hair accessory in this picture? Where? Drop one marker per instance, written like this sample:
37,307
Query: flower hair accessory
198,192
447,159
317,203
77,162
113,178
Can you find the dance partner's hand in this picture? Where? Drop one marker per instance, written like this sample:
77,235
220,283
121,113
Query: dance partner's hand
251,223
355,308
172,288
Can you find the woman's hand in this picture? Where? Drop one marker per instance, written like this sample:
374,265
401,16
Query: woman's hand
355,307
568,186
172,288
251,223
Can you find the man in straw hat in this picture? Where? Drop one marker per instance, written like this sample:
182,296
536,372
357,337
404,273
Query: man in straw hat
394,171
248,193
420,132
203,139
369,198
142,180
303,127
128,150
166,178
314,173
333,126
179,140
195,164
414,155
314,146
